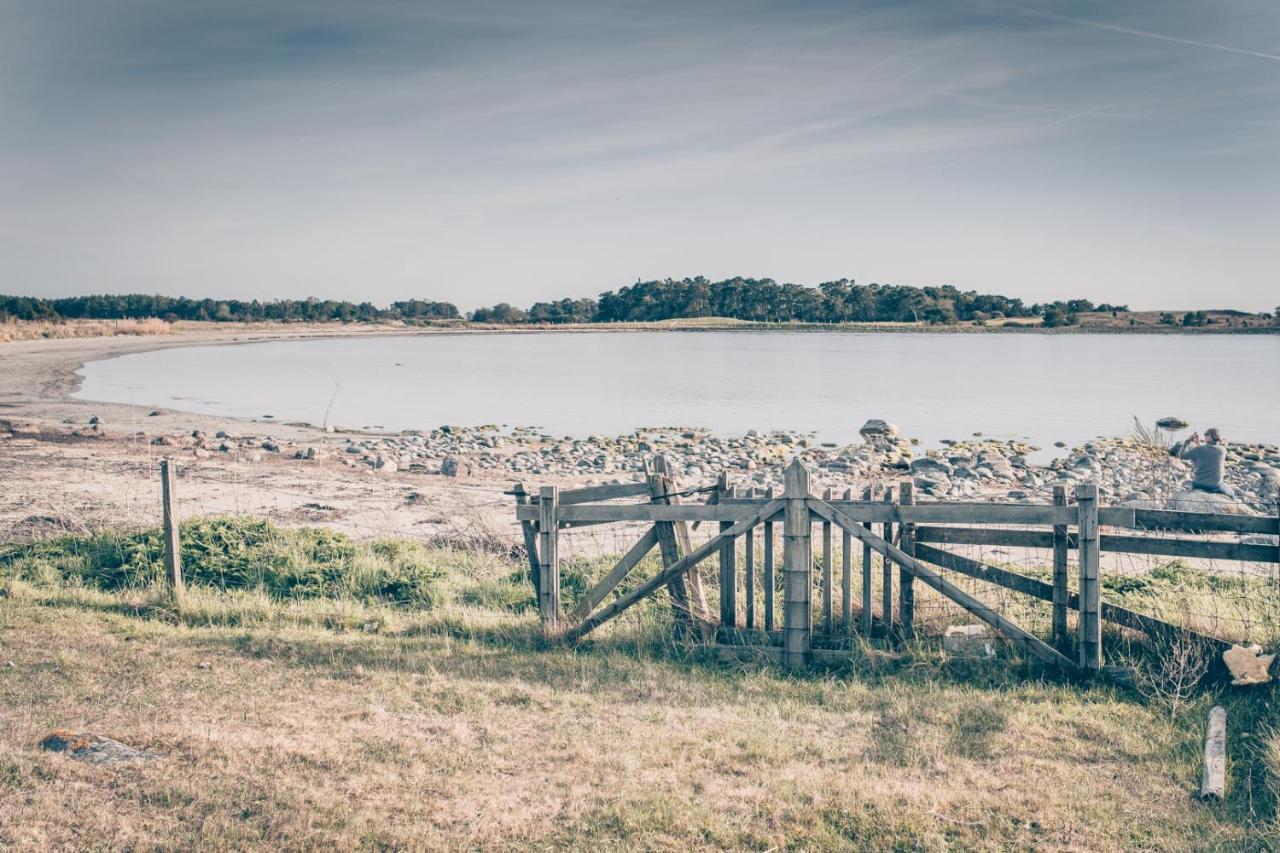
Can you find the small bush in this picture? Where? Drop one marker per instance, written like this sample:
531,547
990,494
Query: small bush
235,554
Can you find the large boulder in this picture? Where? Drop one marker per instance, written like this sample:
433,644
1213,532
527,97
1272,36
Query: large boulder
454,466
928,465
1194,500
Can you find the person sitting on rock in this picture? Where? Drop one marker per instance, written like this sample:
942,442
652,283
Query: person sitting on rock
1209,460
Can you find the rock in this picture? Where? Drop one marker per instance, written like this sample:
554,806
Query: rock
1194,500
91,748
878,428
155,413
1172,423
926,465
201,453
970,641
270,446
453,466
95,420
385,464
1248,664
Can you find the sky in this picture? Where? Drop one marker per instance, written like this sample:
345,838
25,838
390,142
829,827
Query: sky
513,150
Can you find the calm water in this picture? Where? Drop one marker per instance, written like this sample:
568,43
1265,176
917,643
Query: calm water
1044,388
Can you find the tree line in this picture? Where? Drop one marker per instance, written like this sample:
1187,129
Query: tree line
765,300
760,300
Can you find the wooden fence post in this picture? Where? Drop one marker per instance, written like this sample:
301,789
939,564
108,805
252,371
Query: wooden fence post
728,567
749,573
1061,595
868,618
530,537
797,568
1090,589
846,575
768,580
828,592
886,591
906,580
548,559
172,546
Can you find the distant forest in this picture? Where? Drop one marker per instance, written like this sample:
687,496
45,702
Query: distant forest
762,300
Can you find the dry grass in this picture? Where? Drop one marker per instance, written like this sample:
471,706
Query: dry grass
17,330
341,723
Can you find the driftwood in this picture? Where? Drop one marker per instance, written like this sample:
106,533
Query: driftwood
1213,785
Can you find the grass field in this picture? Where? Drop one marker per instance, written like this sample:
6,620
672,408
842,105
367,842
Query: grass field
317,692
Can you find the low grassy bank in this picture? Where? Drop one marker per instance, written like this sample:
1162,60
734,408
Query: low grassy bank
314,691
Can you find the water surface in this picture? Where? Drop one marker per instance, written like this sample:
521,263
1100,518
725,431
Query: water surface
1044,388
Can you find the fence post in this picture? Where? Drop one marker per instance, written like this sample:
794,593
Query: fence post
886,591
846,576
548,559
906,581
828,621
1061,596
728,567
797,568
172,547
530,537
1090,591
768,577
868,596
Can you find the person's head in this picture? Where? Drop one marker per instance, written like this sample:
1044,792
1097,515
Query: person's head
1212,435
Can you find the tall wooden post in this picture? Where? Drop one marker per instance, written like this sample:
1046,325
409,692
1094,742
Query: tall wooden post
868,618
797,568
749,574
172,547
530,537
1061,595
886,590
728,566
1090,588
906,580
846,575
768,580
673,542
828,590
548,559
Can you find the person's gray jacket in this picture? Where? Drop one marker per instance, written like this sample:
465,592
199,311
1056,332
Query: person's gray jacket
1208,460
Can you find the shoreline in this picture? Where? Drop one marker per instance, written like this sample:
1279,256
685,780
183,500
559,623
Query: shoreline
65,473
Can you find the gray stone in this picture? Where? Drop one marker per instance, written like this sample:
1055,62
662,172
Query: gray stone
92,749
453,466
878,428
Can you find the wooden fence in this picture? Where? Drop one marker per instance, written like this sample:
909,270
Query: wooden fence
921,528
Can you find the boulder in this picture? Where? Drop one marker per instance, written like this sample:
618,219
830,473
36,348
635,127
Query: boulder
385,464
1194,500
878,428
91,748
927,465
453,466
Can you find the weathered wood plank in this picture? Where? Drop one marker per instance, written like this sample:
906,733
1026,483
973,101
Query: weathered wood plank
945,513
645,512
827,577
1060,574
629,561
749,576
1161,519
623,603
846,575
868,596
770,580
797,568
169,516
728,570
1191,548
906,589
593,494
1090,627
529,531
987,536
886,570
548,559
1213,782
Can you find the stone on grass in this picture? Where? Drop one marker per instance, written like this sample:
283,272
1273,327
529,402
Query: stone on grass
1248,664
969,641
91,748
